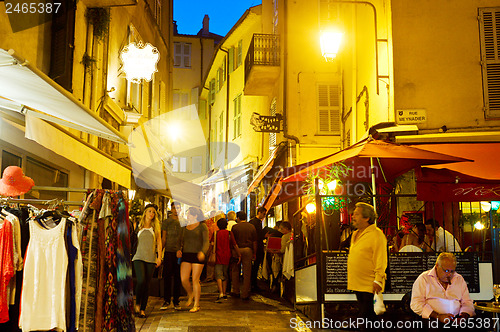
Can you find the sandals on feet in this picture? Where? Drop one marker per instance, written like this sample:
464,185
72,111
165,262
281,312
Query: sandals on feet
194,309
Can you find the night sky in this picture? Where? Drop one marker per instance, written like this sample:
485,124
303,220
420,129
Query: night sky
223,14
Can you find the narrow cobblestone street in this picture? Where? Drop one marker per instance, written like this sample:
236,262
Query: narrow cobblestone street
257,314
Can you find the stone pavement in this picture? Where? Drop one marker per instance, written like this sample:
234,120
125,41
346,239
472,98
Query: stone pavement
257,314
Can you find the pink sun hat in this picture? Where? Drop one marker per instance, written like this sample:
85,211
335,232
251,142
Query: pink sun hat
14,182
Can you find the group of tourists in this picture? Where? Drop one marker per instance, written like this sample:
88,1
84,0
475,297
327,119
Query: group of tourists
229,246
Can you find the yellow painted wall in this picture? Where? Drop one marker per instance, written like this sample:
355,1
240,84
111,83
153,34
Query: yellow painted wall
437,63
250,142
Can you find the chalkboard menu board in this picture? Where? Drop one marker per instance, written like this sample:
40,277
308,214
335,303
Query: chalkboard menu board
336,273
403,269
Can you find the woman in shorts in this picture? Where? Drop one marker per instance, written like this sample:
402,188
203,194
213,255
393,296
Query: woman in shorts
193,248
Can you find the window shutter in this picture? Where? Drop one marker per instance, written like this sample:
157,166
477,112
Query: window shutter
328,109
175,164
217,80
184,99
187,55
202,109
183,164
177,54
240,53
211,94
63,35
490,49
231,59
175,100
196,165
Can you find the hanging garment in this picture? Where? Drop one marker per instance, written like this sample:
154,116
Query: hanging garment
6,267
89,286
43,299
288,261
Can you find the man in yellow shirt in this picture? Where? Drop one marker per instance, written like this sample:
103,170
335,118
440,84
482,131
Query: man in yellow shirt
367,259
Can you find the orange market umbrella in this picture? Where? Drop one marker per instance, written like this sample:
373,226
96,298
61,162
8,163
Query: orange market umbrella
375,160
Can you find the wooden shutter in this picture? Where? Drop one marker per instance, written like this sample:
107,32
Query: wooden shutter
187,55
196,165
240,53
177,54
211,93
62,45
328,109
231,59
490,52
217,80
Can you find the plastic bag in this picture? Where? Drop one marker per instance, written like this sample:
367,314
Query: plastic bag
378,304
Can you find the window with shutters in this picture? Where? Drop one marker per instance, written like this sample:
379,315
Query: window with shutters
328,109
134,95
231,59
62,41
490,53
202,109
237,117
183,164
180,99
240,54
218,84
175,164
211,93
182,55
196,165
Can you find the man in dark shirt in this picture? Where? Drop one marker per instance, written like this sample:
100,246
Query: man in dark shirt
246,238
257,223
170,232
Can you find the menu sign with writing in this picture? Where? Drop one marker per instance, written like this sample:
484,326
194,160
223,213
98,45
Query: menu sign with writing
335,273
403,269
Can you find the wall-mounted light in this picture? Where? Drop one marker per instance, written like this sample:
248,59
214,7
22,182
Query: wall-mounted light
139,61
330,41
311,208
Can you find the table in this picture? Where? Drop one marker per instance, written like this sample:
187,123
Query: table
488,306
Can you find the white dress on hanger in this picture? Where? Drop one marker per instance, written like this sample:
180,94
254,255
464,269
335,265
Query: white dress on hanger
43,299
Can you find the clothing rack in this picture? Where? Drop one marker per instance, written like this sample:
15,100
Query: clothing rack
55,201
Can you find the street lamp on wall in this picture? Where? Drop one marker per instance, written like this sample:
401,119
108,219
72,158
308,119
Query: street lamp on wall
330,41
327,52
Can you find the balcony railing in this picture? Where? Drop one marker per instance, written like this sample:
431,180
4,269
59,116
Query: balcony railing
264,50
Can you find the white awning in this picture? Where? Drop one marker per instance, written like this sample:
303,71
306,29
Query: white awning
25,88
226,174
72,149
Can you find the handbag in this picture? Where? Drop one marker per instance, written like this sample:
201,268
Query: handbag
212,256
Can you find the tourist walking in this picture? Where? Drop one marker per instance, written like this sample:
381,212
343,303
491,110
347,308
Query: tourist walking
147,256
193,246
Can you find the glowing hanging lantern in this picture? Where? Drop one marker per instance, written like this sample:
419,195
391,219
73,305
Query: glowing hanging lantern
139,61
311,208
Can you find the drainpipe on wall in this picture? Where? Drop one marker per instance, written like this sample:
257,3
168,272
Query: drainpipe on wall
285,90
201,59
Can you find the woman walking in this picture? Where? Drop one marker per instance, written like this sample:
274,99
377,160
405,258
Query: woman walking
147,256
193,248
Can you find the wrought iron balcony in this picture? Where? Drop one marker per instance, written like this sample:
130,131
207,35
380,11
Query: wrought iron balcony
262,64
